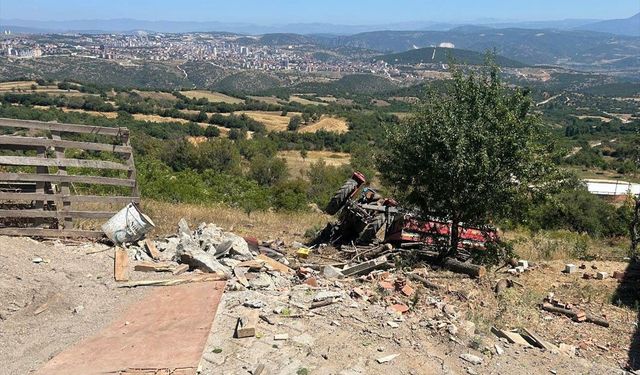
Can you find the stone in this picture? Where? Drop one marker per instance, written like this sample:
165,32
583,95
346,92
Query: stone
365,267
254,303
262,281
78,309
323,295
570,268
229,262
452,329
281,337
37,260
602,275
183,228
468,328
473,359
331,272
222,249
296,245
499,350
239,247
387,358
569,350
189,252
393,324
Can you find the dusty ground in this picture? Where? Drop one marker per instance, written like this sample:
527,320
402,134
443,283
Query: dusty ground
45,307
67,280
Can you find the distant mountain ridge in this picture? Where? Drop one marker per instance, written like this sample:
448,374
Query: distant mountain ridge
439,55
625,26
124,25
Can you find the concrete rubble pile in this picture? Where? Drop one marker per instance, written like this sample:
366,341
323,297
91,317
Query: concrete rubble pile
210,249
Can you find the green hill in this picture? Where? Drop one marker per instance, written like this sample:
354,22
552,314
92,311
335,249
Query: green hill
437,55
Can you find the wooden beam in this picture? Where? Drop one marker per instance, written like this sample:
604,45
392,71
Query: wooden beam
33,142
34,177
44,162
36,213
71,198
56,233
121,264
172,282
67,128
153,250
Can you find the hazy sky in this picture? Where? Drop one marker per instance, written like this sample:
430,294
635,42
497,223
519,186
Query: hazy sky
325,11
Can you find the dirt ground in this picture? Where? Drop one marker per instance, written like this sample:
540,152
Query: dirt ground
47,306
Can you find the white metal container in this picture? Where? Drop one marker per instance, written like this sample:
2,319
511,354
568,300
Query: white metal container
128,225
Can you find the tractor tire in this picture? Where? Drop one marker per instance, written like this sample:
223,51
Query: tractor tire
341,196
368,234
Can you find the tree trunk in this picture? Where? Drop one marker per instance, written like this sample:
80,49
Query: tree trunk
472,270
454,238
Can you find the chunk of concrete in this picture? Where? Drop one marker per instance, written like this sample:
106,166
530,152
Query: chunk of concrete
330,272
570,268
239,247
602,275
523,263
364,267
188,252
183,228
473,359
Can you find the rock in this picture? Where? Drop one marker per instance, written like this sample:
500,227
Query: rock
281,337
602,275
254,303
263,281
78,309
387,358
223,249
188,252
295,245
569,350
570,268
471,371
239,247
468,328
452,329
323,295
393,324
450,311
473,359
183,228
499,350
229,262
37,260
331,272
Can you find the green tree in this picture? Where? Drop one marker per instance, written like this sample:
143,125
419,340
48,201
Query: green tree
469,154
294,123
267,171
290,195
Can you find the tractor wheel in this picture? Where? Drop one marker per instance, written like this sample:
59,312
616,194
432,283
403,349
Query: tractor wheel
341,196
369,232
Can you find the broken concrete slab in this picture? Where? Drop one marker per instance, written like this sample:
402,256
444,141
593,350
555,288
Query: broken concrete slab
388,358
189,253
365,266
331,272
473,359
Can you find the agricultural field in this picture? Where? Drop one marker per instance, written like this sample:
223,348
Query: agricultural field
304,101
156,95
327,123
212,96
274,121
298,165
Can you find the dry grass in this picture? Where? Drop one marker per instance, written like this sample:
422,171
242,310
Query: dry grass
273,121
326,123
268,99
304,101
92,113
8,86
212,96
298,166
262,225
157,118
156,95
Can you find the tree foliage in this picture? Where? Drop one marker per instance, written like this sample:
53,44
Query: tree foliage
470,154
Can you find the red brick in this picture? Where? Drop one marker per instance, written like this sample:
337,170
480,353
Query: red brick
408,291
400,307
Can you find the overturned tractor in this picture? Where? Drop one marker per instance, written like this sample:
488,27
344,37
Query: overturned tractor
365,217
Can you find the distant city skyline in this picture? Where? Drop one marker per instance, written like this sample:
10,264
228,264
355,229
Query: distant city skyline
348,12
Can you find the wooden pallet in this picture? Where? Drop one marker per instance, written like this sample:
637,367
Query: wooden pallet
48,205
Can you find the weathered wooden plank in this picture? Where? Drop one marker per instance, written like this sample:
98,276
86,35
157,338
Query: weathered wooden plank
121,265
33,142
63,205
44,162
5,196
35,213
43,232
67,128
33,177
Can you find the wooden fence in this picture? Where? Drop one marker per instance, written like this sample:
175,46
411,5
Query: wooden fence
42,203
